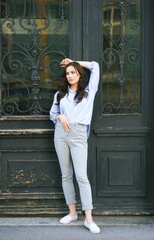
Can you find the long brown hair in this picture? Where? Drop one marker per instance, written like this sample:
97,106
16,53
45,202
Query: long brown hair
83,82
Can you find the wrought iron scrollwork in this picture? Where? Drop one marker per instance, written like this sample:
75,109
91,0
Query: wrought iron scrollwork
34,44
121,57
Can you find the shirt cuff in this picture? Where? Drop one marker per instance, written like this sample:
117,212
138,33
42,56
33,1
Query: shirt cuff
52,118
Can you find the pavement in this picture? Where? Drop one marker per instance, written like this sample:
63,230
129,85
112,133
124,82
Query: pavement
45,228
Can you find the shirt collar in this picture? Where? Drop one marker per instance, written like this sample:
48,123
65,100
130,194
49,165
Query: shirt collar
71,90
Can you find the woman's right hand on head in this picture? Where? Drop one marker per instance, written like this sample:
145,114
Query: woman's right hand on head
65,61
64,121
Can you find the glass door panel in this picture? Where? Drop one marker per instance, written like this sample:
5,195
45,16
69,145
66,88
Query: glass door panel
121,58
34,40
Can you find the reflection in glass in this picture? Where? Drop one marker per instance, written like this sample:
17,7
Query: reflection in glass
121,58
34,40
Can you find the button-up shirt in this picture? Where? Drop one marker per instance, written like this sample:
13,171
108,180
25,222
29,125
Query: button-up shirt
78,112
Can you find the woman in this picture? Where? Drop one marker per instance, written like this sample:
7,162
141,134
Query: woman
71,112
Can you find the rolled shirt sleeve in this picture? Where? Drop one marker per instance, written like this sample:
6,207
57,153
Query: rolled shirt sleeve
55,109
94,76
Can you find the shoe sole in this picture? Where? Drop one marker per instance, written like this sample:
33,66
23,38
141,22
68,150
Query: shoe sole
69,222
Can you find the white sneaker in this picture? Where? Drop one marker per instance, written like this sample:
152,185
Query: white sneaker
67,219
92,227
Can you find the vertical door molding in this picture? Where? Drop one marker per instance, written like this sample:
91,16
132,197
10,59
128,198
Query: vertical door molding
76,19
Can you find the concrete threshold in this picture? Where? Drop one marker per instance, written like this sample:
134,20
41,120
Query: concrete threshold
54,221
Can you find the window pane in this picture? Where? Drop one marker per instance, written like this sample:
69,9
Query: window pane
34,40
121,58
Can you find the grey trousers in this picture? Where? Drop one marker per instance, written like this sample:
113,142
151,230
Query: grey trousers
71,148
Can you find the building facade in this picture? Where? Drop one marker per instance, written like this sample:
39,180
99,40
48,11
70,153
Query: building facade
35,36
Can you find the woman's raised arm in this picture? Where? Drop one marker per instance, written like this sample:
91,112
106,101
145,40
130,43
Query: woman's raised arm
68,60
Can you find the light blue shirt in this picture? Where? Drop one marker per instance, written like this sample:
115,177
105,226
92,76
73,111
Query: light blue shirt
78,112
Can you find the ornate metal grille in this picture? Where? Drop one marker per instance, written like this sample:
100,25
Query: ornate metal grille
121,57
34,39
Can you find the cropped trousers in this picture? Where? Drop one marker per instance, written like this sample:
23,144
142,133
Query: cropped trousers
71,147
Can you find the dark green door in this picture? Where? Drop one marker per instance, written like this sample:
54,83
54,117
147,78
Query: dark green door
34,40
35,37
121,156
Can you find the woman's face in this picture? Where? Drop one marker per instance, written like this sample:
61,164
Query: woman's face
72,76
